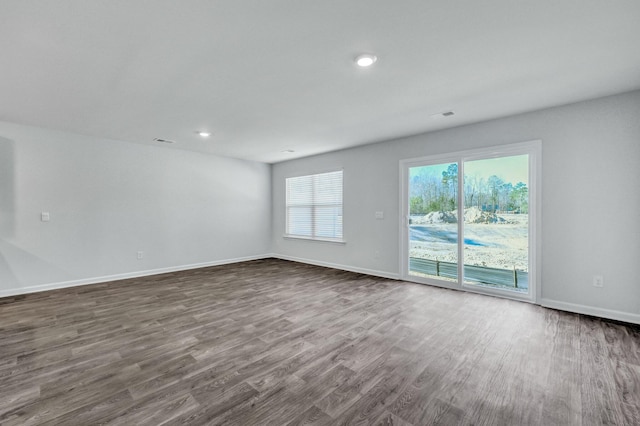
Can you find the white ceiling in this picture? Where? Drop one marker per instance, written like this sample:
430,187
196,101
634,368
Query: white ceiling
270,75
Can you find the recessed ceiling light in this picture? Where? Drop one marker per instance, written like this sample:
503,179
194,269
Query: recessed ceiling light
366,60
204,134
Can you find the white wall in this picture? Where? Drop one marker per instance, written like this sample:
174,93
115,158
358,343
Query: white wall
108,199
590,200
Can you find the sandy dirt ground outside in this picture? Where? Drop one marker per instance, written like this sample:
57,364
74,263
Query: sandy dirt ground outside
497,245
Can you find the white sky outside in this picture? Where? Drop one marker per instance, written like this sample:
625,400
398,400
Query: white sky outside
510,169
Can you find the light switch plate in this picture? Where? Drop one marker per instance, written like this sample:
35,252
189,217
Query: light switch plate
379,215
44,216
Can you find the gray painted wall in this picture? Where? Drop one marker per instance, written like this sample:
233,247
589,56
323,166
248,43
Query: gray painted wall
588,148
109,199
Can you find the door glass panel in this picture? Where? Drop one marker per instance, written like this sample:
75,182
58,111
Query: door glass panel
433,228
496,223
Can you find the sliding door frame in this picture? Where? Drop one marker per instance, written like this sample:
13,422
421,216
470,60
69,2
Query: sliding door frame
534,150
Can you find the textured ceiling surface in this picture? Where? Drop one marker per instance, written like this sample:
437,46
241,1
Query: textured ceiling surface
269,76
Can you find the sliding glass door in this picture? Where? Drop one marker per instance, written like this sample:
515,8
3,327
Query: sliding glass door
433,228
489,198
496,223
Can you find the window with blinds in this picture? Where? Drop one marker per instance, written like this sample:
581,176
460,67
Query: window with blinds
314,206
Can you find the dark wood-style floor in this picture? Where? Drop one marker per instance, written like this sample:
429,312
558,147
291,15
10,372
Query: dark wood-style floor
276,342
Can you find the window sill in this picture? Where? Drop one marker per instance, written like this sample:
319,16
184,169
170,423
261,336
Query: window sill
319,239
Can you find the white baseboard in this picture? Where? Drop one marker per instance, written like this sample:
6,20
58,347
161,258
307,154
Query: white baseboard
366,271
548,303
591,310
128,275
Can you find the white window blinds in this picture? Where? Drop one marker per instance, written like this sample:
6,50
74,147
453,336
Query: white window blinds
314,206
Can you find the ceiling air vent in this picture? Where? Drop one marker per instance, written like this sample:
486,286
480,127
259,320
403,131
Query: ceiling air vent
162,140
443,114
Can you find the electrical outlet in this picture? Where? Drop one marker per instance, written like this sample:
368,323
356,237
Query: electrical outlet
376,254
140,255
45,217
598,281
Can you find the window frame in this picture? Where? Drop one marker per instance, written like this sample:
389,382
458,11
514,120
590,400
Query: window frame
313,206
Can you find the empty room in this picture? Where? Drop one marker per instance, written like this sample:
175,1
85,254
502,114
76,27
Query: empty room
291,212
